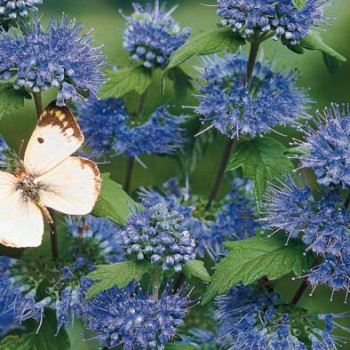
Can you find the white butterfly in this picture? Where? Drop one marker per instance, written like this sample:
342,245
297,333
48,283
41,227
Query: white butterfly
50,178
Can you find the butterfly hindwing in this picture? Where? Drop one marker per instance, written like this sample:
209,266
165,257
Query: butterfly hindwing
21,221
73,186
56,137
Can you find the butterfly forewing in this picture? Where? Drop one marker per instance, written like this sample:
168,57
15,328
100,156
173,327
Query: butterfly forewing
72,187
21,221
56,137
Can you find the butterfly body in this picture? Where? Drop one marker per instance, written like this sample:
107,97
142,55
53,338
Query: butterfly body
50,178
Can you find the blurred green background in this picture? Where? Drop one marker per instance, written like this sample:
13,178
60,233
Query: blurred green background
104,17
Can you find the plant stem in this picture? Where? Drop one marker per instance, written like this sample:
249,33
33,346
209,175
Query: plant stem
52,226
131,160
302,288
130,167
254,49
38,103
220,174
156,282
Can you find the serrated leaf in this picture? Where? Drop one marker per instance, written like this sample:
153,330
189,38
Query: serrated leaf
11,98
314,41
182,81
45,339
113,203
119,274
262,159
207,43
196,268
119,83
254,258
299,4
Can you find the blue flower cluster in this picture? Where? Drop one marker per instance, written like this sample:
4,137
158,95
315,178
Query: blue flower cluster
328,147
323,225
235,220
12,10
152,35
235,109
251,321
56,58
281,18
128,318
108,130
17,301
157,234
103,232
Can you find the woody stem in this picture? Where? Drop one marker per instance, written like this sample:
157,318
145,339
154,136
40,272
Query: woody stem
52,225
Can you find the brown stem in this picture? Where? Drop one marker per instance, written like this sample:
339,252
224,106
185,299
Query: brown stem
220,173
253,54
302,288
130,167
38,103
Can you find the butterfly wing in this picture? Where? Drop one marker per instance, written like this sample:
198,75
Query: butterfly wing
56,137
72,187
21,221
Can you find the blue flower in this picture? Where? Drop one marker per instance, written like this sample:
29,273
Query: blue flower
104,233
323,226
157,234
108,130
152,35
235,220
328,147
235,109
281,18
255,321
128,318
17,301
13,11
56,58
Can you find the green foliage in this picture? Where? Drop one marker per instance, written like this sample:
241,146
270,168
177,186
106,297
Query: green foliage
44,339
174,346
119,274
119,83
113,203
196,268
182,81
314,41
331,63
262,159
254,258
206,43
11,98
299,4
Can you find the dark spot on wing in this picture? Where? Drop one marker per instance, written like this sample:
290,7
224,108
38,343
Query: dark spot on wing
40,140
61,117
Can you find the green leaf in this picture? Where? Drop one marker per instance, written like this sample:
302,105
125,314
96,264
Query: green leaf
113,203
207,43
331,63
299,4
313,41
45,339
196,268
120,274
262,159
182,81
120,82
11,98
254,258
174,346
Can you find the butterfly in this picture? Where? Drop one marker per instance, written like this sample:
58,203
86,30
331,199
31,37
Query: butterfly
49,177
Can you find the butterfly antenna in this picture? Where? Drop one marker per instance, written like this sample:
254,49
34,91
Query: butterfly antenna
19,154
